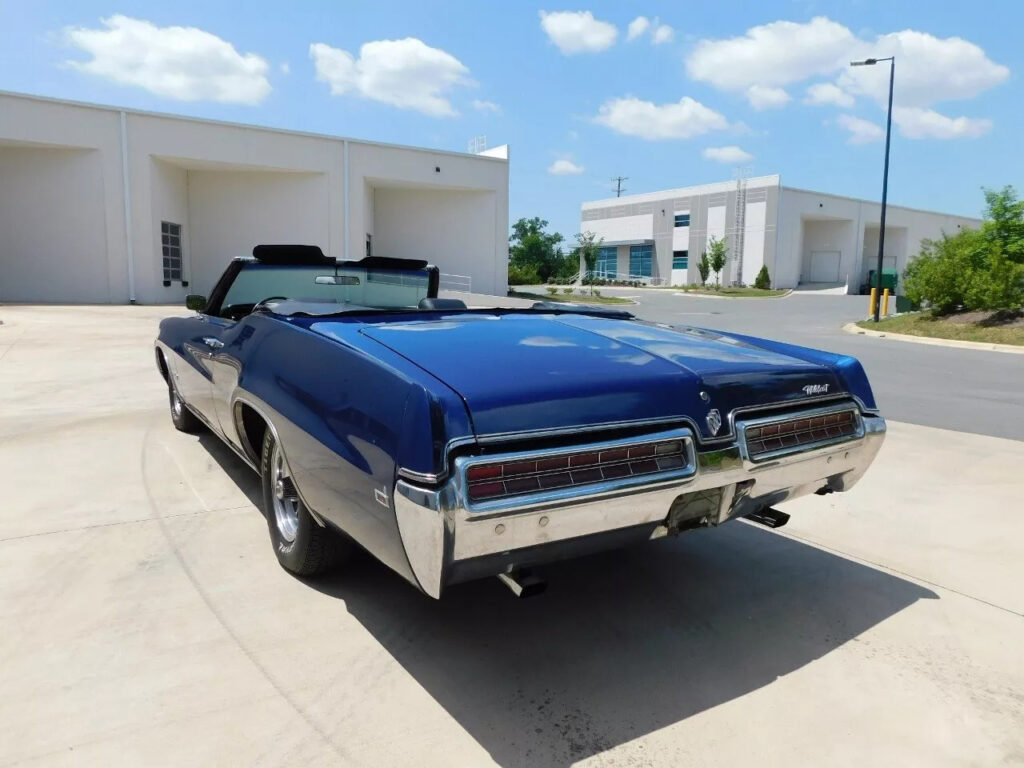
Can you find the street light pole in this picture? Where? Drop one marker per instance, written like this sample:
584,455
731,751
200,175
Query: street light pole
885,175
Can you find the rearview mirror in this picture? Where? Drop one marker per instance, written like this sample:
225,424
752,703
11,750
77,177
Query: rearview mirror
195,302
337,280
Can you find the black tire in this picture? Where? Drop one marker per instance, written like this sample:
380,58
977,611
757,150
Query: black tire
182,418
312,549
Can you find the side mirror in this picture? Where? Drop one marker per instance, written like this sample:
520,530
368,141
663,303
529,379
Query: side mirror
195,302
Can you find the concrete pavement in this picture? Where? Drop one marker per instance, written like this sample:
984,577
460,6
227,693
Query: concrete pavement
146,621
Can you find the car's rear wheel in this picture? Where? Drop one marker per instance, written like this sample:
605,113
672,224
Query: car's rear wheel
184,420
302,545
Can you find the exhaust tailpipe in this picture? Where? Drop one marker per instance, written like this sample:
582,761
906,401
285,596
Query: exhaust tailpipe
769,517
523,583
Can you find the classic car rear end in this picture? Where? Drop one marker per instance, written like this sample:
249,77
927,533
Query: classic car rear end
457,443
612,431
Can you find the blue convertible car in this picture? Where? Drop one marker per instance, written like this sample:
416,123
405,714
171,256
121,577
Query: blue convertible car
455,443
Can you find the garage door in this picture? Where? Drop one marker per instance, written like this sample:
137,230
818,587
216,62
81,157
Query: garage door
824,267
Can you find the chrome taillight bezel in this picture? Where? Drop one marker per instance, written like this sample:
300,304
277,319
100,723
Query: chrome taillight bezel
588,485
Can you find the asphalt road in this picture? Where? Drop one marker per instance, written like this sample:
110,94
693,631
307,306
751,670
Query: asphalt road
959,389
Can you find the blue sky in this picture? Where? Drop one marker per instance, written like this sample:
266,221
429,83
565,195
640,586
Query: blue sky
582,93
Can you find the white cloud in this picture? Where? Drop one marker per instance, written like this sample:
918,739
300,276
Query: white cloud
861,131
565,168
406,73
731,154
481,105
637,27
828,93
663,33
184,63
928,69
766,97
774,54
660,33
681,120
918,123
578,31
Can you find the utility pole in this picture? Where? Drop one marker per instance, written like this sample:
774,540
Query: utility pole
618,184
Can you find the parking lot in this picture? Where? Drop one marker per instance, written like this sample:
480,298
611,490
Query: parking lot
146,621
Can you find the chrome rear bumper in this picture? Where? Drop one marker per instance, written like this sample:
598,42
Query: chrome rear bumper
441,530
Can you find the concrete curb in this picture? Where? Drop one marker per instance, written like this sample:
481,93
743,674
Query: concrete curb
699,295
984,346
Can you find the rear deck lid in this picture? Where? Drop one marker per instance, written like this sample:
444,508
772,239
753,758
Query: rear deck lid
526,373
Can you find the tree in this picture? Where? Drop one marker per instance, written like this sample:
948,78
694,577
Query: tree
975,269
763,279
534,250
1004,222
704,267
716,249
587,247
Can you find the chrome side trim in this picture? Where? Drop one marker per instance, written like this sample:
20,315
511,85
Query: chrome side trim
428,478
743,426
578,492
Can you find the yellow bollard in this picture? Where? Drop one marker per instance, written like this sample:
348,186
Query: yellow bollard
874,302
885,302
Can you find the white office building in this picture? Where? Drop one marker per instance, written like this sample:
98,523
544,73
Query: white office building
804,237
107,205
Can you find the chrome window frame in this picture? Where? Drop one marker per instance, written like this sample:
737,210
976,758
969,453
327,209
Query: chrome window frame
576,492
742,426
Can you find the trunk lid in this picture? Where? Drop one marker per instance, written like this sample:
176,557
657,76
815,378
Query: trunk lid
527,372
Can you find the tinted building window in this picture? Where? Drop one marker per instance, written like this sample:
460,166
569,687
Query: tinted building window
607,261
682,219
640,260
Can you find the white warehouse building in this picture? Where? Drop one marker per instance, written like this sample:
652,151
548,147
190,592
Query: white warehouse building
804,237
107,205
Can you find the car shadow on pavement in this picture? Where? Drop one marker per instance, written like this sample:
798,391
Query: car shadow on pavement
622,643
248,482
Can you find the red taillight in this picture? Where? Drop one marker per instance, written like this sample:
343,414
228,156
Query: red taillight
805,430
514,478
483,472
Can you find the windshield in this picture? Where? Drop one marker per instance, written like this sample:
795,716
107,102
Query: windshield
350,288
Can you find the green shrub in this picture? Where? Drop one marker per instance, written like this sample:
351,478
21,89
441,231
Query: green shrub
595,293
552,290
763,280
1001,286
567,291
975,269
946,273
522,276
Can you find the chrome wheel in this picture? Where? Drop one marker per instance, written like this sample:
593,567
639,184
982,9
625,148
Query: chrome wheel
286,499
